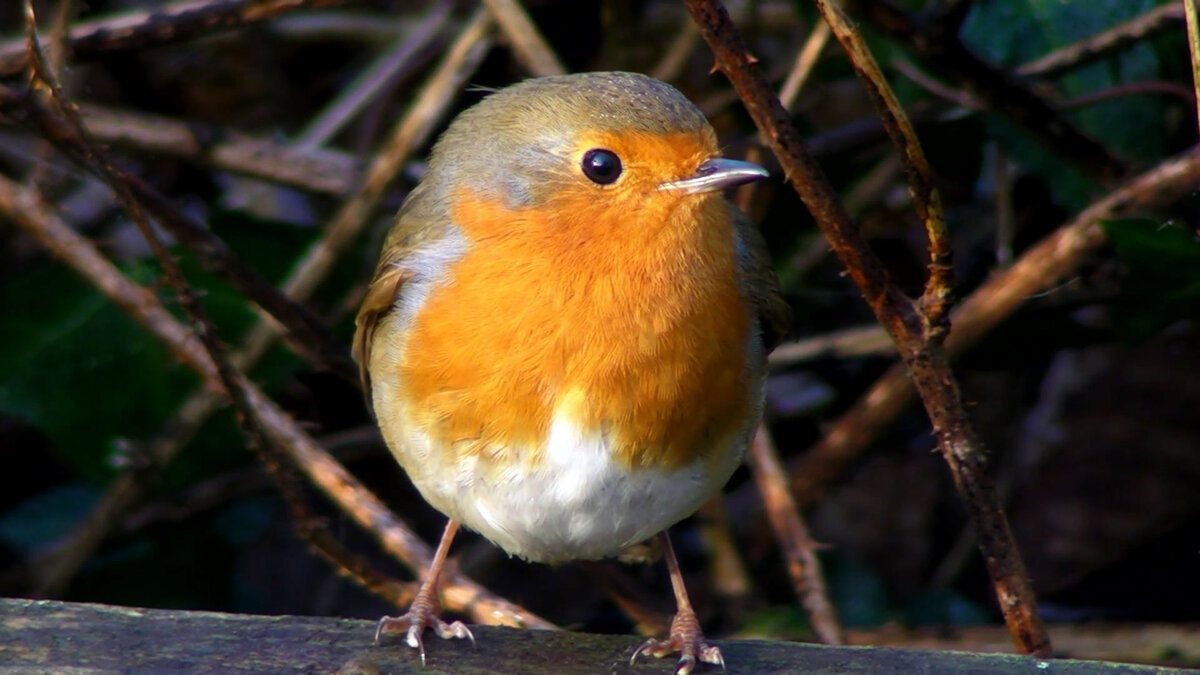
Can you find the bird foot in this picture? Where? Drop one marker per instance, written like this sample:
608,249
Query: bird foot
686,639
421,615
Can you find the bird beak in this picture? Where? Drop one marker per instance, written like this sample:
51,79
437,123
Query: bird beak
717,174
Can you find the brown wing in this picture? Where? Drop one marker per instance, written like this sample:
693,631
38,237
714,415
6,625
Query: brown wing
420,221
379,300
774,314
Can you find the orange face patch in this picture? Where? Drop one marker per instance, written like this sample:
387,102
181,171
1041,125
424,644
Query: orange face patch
617,305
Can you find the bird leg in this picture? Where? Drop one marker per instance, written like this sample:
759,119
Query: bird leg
685,637
425,607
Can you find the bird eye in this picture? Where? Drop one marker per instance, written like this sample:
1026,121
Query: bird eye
601,166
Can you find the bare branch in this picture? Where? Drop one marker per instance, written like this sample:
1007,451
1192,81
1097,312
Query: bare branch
1100,45
799,550
530,47
175,22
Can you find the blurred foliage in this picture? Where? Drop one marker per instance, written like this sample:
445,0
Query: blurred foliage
82,388
1161,283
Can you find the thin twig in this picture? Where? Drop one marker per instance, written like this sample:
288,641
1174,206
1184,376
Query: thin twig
530,47
750,197
924,358
201,326
798,548
921,78
806,60
935,301
56,51
629,596
1179,91
401,57
203,497
257,415
1102,44
353,25
56,55
892,393
318,170
171,23
671,63
843,344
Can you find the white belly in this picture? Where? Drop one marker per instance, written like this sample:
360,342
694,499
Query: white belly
576,503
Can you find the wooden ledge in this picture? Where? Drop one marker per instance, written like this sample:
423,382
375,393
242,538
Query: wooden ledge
52,636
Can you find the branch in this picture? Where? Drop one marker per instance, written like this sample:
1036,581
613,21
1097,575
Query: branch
1100,45
172,23
799,550
70,637
229,377
1193,35
318,170
921,352
935,301
404,55
531,48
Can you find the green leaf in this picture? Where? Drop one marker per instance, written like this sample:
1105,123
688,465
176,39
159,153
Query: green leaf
46,516
1008,34
1011,32
1162,279
77,368
859,595
944,607
776,622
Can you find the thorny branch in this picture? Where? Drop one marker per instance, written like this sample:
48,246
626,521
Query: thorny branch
928,203
924,358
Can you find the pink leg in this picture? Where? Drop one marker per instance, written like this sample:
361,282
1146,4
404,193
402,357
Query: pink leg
425,608
686,636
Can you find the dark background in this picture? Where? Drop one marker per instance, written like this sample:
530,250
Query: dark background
1087,397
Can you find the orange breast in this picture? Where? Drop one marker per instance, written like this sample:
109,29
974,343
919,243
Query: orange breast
633,327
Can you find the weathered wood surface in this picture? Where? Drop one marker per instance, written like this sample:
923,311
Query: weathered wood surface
45,636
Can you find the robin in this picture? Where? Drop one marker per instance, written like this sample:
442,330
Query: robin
565,339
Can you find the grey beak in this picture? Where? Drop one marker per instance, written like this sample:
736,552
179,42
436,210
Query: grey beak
717,174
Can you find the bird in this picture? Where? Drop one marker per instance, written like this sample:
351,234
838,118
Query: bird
564,342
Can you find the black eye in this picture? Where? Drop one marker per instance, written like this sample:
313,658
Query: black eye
601,166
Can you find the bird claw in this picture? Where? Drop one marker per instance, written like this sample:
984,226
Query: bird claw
414,623
690,644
